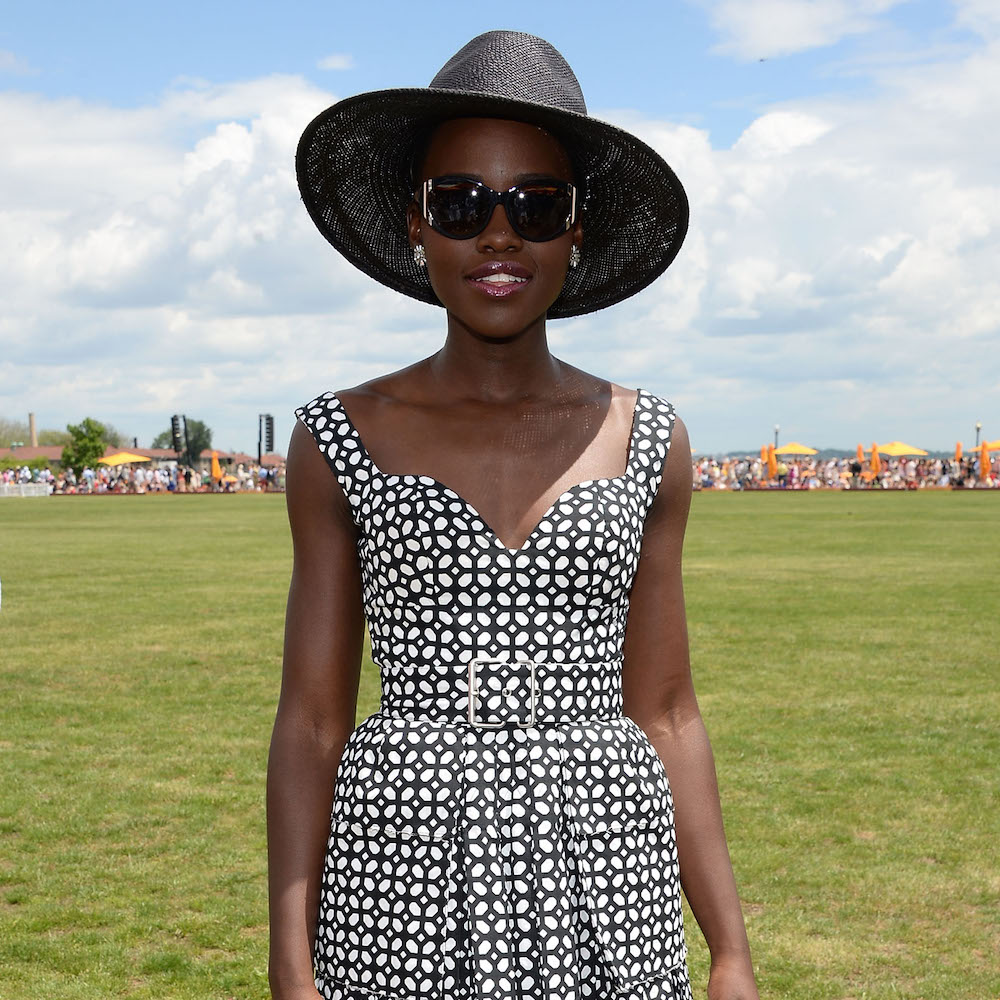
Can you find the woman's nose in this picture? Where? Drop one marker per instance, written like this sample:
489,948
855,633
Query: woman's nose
499,235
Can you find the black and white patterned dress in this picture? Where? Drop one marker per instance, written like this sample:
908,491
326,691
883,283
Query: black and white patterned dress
527,854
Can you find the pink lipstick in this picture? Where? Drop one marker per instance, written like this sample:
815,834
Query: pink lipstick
499,278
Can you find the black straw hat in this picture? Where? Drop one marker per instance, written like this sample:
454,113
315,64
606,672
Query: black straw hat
355,160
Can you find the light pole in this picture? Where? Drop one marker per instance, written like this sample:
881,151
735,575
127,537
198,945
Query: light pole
979,427
777,427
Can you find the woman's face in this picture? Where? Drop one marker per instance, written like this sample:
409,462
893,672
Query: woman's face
500,154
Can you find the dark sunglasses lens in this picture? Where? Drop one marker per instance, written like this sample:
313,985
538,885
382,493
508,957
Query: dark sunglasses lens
539,211
459,209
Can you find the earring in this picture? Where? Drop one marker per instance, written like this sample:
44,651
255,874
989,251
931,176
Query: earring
419,255
574,256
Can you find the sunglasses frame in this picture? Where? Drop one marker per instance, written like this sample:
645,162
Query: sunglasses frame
495,198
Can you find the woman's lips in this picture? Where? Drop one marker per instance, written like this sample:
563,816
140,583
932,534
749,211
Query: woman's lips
498,279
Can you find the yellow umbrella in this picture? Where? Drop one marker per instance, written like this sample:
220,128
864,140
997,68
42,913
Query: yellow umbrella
958,451
794,448
897,449
876,461
772,463
216,468
993,445
230,479
984,461
122,458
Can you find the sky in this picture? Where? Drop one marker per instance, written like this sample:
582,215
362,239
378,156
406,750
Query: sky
840,279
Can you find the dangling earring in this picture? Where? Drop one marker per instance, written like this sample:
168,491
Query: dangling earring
419,255
574,256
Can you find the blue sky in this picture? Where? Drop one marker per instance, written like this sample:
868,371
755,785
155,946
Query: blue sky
839,154
654,58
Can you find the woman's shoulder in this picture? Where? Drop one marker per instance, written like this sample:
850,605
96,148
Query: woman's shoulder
383,389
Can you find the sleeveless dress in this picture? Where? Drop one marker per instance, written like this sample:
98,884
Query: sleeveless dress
500,831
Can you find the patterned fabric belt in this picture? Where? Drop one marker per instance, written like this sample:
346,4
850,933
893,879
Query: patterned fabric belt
490,693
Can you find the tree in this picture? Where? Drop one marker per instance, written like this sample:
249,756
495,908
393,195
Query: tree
52,437
116,438
88,441
12,430
199,437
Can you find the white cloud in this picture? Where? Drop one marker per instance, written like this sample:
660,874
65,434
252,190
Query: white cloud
13,64
982,16
839,276
843,254
336,61
777,133
760,29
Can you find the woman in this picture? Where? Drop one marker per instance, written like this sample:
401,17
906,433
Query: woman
510,528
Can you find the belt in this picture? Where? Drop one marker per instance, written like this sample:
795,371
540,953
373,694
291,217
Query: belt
497,693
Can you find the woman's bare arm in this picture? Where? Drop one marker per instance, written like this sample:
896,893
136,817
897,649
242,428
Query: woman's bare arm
659,696
324,629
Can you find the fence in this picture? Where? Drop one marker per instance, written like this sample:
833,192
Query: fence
24,490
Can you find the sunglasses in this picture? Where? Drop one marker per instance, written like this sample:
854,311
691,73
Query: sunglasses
460,208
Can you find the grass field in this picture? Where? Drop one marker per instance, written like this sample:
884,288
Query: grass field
845,651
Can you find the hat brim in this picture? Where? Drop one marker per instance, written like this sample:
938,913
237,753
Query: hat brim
353,166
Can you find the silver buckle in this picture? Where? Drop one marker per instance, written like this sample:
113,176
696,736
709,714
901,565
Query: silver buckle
482,661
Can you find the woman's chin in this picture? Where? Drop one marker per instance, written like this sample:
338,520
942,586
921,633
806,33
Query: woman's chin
498,318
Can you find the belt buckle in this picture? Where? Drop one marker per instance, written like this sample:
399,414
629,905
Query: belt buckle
481,661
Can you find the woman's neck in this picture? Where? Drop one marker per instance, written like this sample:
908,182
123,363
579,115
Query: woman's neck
497,370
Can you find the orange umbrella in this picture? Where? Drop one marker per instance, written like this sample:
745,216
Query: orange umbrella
984,461
772,463
958,451
763,452
216,468
876,461
861,454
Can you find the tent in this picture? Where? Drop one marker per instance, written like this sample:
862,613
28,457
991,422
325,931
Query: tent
794,448
896,449
122,458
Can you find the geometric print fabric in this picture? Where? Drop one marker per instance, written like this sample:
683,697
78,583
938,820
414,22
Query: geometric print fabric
526,861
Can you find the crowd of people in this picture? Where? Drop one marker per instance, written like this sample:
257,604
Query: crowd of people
752,473
168,478
708,473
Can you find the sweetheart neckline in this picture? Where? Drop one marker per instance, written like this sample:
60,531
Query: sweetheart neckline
471,508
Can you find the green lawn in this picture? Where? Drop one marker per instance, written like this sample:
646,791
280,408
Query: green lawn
845,650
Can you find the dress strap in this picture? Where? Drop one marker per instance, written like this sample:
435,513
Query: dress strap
338,440
654,419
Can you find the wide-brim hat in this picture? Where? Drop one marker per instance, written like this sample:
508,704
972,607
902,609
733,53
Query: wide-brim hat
355,165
